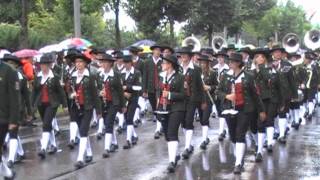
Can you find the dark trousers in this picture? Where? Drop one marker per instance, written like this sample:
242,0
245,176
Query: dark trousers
153,100
187,122
47,113
3,133
109,115
272,113
238,125
83,118
205,115
170,124
131,109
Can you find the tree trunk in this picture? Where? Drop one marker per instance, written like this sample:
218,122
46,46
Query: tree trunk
210,32
116,12
24,25
171,23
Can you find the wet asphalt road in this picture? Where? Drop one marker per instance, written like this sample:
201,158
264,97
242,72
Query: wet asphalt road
298,159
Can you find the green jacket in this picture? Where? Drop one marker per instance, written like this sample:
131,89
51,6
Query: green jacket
267,83
90,91
194,88
288,89
177,93
133,83
148,77
56,93
10,95
252,101
115,83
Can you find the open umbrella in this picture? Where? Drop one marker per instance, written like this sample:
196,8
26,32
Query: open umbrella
77,43
24,53
144,42
51,48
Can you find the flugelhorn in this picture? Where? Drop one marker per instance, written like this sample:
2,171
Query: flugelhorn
192,42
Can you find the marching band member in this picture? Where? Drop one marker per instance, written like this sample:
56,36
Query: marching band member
194,96
267,84
296,105
47,96
221,68
131,79
16,152
312,81
84,99
171,100
210,83
238,94
287,87
150,80
245,52
109,83
9,106
119,66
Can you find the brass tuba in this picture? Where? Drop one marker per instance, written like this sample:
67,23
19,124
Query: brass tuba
290,42
192,42
218,43
312,39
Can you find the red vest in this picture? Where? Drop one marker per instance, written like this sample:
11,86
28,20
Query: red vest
155,76
44,94
107,90
239,95
80,95
162,100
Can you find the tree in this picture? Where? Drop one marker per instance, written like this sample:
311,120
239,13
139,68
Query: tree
281,20
207,17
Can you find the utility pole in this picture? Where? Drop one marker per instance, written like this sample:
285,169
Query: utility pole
76,13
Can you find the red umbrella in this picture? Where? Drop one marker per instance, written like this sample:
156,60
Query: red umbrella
24,53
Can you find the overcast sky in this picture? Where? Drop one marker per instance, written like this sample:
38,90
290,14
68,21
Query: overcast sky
310,7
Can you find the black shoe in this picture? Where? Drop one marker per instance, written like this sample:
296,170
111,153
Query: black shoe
286,132
134,140
276,135
42,154
127,146
88,159
259,157
71,144
203,145
106,154
79,165
20,158
207,141
12,176
119,130
222,135
177,159
237,169
265,144
52,150
157,135
56,133
186,154
10,164
99,136
113,148
135,124
282,140
269,149
171,168
94,124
